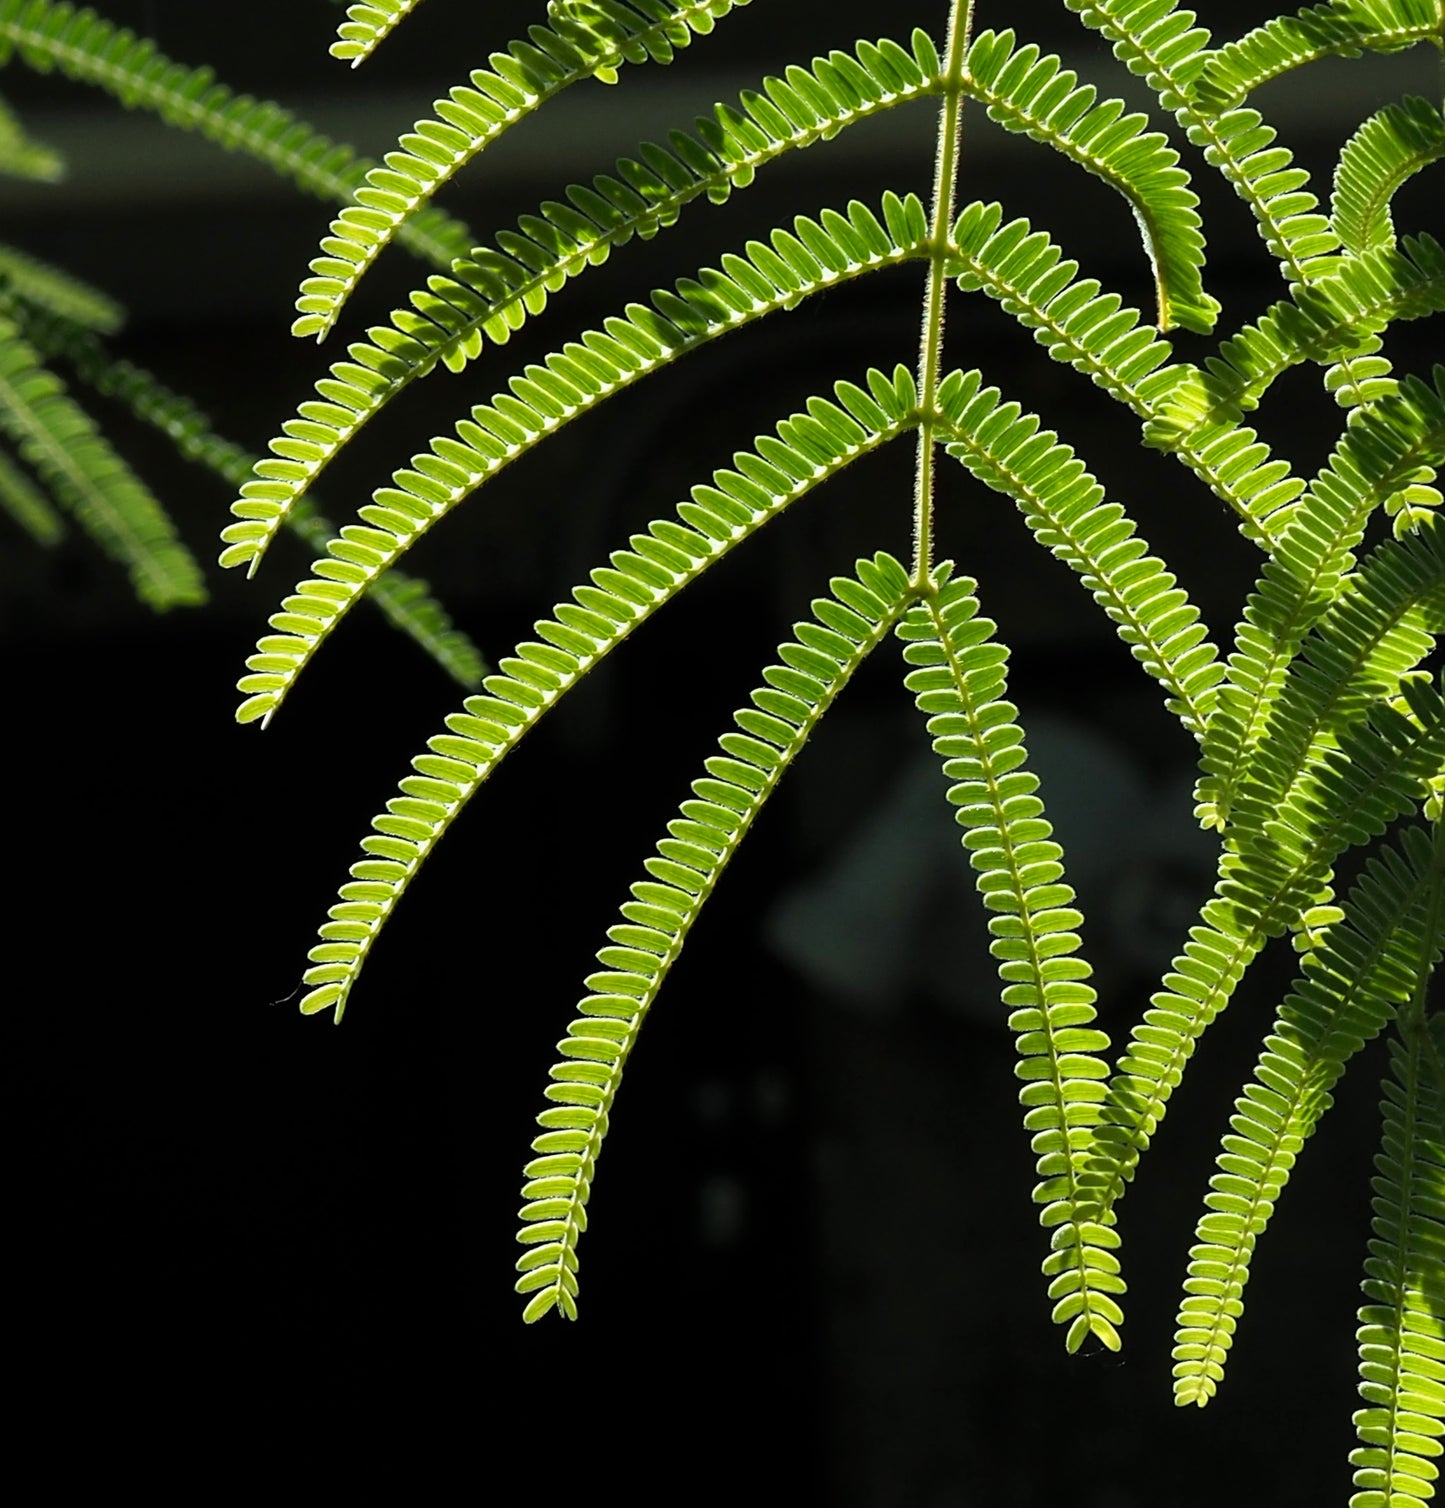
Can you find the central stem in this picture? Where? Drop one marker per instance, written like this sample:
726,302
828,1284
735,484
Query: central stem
930,356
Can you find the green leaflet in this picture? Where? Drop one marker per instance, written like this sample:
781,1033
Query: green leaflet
1365,966
845,628
366,26
581,632
960,683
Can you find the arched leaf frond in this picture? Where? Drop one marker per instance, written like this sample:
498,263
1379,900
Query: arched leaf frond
1342,28
1035,95
1400,1324
27,505
806,450
656,920
1334,317
960,682
1160,42
771,277
1389,149
1064,505
21,156
1267,882
1153,39
405,602
50,34
1097,333
476,114
57,438
1362,968
47,287
493,290
1278,194
366,26
1386,451
1382,624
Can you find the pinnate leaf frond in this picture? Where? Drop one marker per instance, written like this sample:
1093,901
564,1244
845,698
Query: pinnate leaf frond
474,115
806,450
51,34
405,602
1400,1334
1342,28
1361,970
21,156
1390,148
1064,505
27,505
491,292
1385,450
57,438
770,278
1185,412
1380,627
656,920
960,683
62,293
1268,880
1034,94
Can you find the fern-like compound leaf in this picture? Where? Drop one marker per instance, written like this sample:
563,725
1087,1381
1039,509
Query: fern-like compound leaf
1388,448
1160,42
1388,150
405,602
27,505
1267,882
1334,316
1342,28
62,293
806,450
659,915
1381,626
960,682
58,439
584,39
491,292
770,278
51,34
1098,334
1064,505
1358,973
1034,94
366,26
1402,1326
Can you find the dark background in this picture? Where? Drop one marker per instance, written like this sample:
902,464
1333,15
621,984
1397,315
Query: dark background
813,1274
